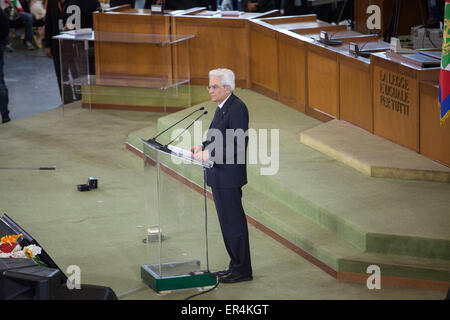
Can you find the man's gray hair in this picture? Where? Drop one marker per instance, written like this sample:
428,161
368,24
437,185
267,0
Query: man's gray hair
226,76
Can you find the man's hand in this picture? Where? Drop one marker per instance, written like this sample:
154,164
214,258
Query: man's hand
195,149
48,52
202,155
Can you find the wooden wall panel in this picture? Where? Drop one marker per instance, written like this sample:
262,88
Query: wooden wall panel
292,72
355,93
264,61
434,138
218,43
323,81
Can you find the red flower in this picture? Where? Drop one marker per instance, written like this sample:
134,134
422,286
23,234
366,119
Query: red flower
7,247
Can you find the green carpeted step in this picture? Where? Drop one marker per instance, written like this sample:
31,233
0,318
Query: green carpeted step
177,96
329,248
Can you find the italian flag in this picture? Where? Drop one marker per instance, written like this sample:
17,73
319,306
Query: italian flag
16,4
444,78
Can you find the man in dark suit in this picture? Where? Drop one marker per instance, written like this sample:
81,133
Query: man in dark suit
226,146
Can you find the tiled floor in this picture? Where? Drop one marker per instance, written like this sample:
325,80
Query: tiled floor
31,81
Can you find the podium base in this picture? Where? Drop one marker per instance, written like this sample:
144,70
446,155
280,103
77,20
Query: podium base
163,278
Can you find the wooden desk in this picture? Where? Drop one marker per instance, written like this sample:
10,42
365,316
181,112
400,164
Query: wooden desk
339,84
302,24
278,57
219,42
434,138
396,99
355,84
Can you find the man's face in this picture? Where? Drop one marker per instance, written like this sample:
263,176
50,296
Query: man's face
217,91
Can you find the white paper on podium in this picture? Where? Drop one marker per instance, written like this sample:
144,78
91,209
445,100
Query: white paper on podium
79,32
181,152
188,155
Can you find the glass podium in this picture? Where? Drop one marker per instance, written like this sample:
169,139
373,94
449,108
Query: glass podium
177,230
131,71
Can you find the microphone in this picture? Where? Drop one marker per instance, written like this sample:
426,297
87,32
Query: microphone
328,41
153,140
356,50
165,147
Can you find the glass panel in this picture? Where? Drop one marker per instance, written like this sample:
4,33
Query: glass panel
176,232
102,36
127,71
74,65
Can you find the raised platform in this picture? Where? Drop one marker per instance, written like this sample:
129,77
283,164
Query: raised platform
339,219
371,154
142,99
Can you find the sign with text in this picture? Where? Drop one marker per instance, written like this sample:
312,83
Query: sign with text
395,103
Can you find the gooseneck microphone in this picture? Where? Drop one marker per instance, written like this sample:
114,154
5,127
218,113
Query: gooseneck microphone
153,140
165,147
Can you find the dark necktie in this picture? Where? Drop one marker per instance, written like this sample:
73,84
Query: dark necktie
216,115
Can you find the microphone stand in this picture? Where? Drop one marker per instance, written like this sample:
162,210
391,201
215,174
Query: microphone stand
165,147
153,140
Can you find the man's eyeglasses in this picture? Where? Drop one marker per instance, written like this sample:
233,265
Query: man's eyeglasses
213,87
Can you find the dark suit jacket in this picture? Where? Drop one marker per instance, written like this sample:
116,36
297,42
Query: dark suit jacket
51,25
229,170
88,7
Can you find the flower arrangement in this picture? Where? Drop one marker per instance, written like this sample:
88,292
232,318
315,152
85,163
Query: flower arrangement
10,248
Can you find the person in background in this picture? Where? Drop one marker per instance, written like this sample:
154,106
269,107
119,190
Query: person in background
258,5
4,32
55,22
37,9
25,17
